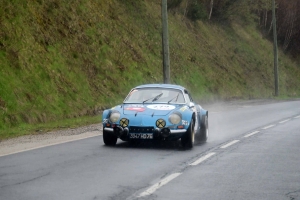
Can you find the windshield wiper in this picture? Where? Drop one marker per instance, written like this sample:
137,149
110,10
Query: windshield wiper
174,98
147,99
157,97
154,98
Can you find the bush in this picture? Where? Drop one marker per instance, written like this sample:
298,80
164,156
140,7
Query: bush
174,3
196,11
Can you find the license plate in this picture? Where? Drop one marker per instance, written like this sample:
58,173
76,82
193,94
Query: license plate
141,136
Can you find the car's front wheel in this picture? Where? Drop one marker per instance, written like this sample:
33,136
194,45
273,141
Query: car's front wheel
188,139
109,139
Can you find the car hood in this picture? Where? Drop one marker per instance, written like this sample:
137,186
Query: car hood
149,109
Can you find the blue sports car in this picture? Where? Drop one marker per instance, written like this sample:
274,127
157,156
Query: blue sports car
156,112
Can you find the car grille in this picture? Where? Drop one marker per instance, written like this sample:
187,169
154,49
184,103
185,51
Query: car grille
138,129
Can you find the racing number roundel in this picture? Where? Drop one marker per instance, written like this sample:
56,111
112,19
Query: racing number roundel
124,122
160,123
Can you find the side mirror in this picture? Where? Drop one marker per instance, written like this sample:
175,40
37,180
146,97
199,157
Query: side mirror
191,105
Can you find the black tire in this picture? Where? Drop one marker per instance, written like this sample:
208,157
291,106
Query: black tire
187,141
203,135
109,139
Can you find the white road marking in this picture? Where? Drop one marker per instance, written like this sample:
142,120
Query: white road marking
229,144
268,126
284,121
203,158
48,145
250,134
161,183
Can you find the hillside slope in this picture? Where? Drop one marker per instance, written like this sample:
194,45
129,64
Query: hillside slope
65,59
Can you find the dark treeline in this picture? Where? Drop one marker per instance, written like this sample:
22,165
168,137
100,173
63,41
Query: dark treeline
258,12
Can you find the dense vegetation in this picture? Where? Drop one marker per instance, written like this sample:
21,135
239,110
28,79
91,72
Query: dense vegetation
63,60
258,12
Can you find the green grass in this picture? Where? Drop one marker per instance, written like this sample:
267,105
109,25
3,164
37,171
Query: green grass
63,61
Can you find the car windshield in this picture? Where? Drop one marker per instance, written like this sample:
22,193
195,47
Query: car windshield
155,95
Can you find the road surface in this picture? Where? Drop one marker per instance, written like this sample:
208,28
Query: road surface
252,153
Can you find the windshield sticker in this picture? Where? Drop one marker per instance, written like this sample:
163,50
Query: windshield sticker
161,107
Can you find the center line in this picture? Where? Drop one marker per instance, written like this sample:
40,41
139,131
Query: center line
297,117
284,121
203,158
161,183
268,126
250,134
229,144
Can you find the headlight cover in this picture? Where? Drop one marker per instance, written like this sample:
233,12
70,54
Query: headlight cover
114,116
160,123
175,118
124,122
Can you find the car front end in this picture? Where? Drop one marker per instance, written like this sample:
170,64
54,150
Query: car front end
147,121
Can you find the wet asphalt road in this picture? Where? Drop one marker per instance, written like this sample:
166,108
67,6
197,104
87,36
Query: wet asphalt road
253,152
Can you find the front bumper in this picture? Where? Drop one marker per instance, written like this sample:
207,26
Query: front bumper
157,132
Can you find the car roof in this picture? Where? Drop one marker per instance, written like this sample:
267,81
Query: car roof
161,86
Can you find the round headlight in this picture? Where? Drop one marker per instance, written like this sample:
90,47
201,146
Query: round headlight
175,118
114,116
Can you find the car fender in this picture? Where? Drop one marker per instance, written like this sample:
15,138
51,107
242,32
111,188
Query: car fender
105,116
201,113
187,116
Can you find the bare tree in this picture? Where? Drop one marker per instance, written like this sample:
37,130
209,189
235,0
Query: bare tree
211,8
288,22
